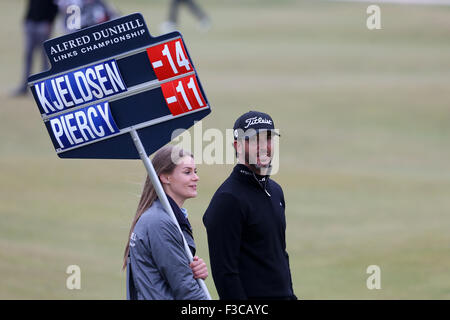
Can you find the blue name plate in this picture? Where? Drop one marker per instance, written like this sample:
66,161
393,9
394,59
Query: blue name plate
79,87
82,126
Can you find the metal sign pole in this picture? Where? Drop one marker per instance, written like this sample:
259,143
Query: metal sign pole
163,198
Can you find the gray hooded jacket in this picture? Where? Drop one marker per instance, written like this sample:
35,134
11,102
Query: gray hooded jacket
158,267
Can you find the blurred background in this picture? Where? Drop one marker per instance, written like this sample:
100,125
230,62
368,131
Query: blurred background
364,154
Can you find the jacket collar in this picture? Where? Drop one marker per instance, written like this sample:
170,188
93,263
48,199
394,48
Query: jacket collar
181,218
183,221
245,174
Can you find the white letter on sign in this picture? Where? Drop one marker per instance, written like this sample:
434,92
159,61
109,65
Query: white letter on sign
83,126
91,111
57,130
80,75
42,99
105,115
114,76
72,128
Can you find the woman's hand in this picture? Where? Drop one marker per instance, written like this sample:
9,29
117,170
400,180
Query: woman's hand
199,269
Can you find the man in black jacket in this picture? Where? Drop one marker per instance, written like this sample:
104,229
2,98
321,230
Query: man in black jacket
245,220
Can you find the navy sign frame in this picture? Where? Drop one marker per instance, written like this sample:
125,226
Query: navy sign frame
112,78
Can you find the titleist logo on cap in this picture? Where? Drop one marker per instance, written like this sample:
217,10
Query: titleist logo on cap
256,120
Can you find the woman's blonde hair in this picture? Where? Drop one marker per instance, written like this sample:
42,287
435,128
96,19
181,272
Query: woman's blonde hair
164,162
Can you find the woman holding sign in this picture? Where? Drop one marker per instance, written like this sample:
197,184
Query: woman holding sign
157,265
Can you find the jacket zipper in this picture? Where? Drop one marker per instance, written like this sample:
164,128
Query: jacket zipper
263,187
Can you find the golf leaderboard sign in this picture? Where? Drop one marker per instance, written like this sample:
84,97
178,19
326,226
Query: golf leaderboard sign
111,78
115,92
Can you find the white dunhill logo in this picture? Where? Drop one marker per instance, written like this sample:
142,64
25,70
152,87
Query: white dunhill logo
256,120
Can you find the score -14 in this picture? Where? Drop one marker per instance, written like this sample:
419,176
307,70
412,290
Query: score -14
169,59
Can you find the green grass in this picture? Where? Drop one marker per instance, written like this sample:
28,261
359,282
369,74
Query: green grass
365,158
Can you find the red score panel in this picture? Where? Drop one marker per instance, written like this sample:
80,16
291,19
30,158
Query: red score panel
183,95
169,59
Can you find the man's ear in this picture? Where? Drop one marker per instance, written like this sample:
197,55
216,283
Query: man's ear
237,145
239,149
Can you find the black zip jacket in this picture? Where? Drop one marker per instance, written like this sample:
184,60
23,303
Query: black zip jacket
246,226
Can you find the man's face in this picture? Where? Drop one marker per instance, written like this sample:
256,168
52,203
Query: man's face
257,151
